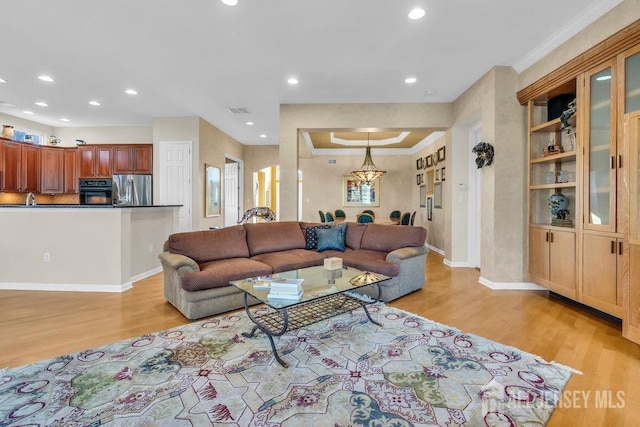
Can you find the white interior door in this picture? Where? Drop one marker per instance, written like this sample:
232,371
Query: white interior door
175,179
475,200
231,193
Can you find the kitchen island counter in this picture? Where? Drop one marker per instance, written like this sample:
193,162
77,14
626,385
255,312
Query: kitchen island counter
81,247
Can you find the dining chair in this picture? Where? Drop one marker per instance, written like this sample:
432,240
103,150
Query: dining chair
364,218
340,215
395,216
329,217
370,212
413,218
322,217
406,218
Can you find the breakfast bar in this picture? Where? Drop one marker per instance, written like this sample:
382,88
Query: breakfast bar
80,247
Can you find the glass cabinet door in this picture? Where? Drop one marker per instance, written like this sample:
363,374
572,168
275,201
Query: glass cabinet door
632,82
600,150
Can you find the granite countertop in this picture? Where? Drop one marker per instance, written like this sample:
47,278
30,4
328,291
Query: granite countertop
44,206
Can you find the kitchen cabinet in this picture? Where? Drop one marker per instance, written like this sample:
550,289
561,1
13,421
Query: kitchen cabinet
96,161
20,167
552,259
52,169
71,171
133,159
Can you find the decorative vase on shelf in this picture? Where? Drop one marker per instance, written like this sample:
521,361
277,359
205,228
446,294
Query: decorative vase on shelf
7,131
558,204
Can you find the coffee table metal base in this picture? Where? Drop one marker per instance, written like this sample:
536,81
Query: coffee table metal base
278,322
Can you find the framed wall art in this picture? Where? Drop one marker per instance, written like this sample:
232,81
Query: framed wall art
428,177
420,163
419,179
428,161
437,195
442,174
358,193
212,196
441,154
437,175
423,196
430,208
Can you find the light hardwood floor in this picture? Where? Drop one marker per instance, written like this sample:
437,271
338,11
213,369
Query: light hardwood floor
40,325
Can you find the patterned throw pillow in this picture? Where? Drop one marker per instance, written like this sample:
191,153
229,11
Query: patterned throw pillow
332,238
311,236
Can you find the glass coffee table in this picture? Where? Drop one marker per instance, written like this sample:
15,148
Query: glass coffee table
324,296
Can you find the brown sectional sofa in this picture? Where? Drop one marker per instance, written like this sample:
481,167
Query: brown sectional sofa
199,265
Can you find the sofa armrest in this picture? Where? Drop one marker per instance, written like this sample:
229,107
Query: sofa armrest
406,253
176,261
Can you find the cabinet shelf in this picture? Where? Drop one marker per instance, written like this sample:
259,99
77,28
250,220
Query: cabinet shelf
552,186
567,156
551,126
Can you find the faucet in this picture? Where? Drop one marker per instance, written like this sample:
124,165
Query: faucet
31,197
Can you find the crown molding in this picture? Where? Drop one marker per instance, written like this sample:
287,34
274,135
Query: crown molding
573,27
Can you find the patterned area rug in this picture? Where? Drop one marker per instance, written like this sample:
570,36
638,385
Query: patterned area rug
343,371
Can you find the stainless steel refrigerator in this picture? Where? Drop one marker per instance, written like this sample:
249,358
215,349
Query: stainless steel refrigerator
132,190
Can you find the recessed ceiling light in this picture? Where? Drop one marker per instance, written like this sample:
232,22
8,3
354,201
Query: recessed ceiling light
28,112
292,81
131,92
230,2
45,78
262,135
95,103
249,123
42,104
410,80
3,81
601,78
64,119
416,13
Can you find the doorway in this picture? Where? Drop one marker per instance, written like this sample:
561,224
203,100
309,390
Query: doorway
232,190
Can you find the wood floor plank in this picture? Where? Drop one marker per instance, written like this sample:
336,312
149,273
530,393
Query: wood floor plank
40,325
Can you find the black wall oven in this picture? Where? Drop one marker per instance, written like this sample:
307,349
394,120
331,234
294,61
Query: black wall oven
95,191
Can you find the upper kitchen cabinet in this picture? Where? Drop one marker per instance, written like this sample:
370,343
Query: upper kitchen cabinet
96,161
133,159
629,94
71,171
20,167
52,169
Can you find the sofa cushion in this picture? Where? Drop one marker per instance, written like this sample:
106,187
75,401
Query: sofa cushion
374,261
387,238
210,245
219,273
354,234
332,238
267,237
311,237
291,259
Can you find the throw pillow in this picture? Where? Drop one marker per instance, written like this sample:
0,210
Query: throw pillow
311,236
332,238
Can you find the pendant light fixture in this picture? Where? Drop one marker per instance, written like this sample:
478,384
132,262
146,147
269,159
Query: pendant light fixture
368,172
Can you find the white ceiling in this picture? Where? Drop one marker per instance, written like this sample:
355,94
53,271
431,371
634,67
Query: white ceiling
198,57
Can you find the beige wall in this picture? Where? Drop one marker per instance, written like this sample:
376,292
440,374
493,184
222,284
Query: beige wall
105,135
214,145
435,227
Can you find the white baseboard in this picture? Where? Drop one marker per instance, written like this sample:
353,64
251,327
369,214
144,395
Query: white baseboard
77,287
146,274
455,264
434,249
516,286
64,287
